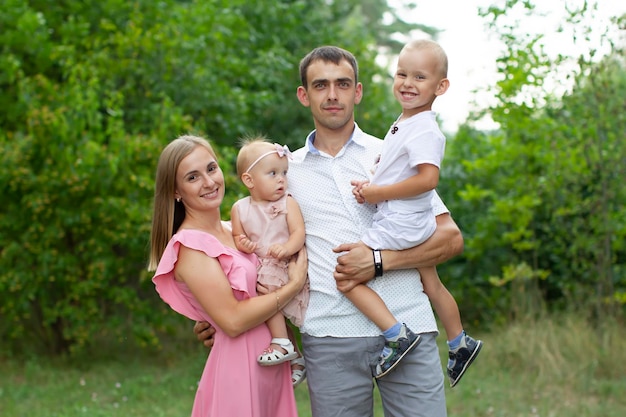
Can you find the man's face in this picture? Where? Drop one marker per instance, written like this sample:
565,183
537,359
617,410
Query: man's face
331,94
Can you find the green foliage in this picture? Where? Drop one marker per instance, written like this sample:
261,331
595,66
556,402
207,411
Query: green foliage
589,193
231,67
542,199
92,90
75,226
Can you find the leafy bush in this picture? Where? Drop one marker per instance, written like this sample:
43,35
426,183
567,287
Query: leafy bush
92,91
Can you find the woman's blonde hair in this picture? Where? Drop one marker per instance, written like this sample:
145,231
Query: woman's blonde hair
168,214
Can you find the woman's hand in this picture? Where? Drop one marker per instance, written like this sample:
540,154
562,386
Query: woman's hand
298,267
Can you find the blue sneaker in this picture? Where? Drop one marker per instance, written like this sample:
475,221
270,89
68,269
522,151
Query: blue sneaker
462,357
404,343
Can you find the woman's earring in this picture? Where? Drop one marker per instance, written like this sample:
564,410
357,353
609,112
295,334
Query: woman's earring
178,200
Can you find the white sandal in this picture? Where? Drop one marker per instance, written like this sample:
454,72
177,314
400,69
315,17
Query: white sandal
271,357
298,375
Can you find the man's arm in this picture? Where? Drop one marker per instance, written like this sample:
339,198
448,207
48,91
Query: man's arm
444,244
357,265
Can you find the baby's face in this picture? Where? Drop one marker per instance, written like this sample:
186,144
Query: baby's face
269,178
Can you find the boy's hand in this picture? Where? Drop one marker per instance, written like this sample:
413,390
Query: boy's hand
356,190
370,193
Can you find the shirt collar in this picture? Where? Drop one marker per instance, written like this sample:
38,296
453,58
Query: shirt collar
357,137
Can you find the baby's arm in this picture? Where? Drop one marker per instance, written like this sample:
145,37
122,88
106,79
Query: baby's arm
425,180
295,223
241,240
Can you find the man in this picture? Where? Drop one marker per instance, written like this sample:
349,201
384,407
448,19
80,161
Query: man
341,345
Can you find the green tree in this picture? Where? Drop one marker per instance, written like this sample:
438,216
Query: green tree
91,93
543,199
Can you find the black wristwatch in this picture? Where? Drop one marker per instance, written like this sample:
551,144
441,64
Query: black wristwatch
378,263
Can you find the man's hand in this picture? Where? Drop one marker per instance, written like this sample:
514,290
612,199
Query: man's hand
354,267
204,332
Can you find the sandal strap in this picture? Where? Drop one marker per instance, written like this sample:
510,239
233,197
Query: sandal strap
298,361
281,341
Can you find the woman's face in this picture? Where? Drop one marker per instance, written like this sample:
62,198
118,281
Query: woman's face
200,181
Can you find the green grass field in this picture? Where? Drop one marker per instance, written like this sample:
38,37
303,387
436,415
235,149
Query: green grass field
550,368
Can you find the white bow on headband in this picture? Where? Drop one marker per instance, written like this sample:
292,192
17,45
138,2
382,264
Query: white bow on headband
281,150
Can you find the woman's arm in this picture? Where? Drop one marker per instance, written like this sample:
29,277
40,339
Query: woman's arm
208,283
356,266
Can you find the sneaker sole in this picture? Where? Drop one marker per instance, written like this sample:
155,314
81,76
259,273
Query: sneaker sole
479,345
410,348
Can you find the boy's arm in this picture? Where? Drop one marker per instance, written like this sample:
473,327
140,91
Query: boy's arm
425,180
356,266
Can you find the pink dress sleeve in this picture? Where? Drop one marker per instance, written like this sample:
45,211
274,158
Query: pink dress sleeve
232,383
176,293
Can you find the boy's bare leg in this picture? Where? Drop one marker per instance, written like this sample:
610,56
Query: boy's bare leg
370,304
443,302
463,348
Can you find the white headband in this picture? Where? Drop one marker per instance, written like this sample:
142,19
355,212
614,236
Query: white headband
281,150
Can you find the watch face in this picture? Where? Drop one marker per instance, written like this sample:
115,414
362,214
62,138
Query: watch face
378,263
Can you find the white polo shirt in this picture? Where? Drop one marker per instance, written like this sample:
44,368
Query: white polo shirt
321,185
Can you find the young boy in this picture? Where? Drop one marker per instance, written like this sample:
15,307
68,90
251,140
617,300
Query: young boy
402,187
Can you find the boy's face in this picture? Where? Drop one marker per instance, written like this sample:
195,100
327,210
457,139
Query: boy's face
418,81
331,93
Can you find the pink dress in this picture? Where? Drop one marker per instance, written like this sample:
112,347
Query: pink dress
233,383
266,224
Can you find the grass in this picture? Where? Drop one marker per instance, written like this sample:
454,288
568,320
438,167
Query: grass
555,367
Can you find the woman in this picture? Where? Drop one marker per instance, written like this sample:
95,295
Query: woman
201,275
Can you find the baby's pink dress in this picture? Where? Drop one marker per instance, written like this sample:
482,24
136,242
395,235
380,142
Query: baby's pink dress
266,224
233,383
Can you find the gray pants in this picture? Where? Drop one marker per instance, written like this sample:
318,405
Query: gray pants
340,370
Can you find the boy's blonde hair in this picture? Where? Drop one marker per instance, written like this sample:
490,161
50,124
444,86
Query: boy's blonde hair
433,47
